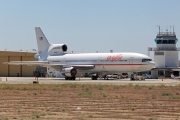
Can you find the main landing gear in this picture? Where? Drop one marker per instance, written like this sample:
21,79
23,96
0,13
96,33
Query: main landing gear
70,78
95,76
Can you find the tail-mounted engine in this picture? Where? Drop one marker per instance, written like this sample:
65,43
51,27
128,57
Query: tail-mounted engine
57,49
69,72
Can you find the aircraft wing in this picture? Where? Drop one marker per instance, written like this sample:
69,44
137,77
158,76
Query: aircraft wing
46,64
81,67
26,63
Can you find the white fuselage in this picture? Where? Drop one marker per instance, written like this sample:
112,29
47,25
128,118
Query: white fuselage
106,62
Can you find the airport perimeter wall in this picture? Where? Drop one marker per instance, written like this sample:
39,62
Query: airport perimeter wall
16,70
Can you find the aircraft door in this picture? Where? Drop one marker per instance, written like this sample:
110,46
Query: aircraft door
131,65
101,64
131,60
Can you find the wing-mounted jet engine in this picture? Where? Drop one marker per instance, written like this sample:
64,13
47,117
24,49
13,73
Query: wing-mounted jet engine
69,73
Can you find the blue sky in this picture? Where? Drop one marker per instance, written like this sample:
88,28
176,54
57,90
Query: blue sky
87,25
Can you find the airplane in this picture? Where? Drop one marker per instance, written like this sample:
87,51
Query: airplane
69,64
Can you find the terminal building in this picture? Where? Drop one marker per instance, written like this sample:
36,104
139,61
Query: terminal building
165,55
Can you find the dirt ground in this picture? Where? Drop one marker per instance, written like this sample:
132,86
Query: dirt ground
89,102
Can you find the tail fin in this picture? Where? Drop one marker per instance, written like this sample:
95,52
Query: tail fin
42,43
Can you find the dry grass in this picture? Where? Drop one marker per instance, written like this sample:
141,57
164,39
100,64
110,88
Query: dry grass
84,102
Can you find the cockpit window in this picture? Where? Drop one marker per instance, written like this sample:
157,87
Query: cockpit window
145,60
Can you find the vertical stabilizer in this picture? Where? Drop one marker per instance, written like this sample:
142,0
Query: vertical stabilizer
42,43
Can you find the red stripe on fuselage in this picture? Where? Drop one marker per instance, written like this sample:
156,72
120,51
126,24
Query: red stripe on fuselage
119,64
112,64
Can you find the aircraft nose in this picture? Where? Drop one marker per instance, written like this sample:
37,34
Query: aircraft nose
149,66
152,64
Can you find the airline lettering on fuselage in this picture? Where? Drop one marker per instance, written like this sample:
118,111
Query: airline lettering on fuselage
114,58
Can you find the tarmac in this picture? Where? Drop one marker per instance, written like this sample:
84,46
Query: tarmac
29,80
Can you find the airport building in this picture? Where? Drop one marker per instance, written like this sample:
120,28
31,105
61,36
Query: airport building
165,55
16,70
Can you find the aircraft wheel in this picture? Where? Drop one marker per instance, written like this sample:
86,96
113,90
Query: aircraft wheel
66,78
74,77
105,77
93,78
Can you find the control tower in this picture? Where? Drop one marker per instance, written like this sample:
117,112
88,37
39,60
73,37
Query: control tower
165,55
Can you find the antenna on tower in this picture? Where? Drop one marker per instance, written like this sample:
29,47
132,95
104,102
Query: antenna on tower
159,28
170,28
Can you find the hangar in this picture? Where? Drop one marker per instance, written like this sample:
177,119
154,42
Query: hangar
16,70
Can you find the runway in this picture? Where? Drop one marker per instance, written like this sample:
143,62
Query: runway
29,80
